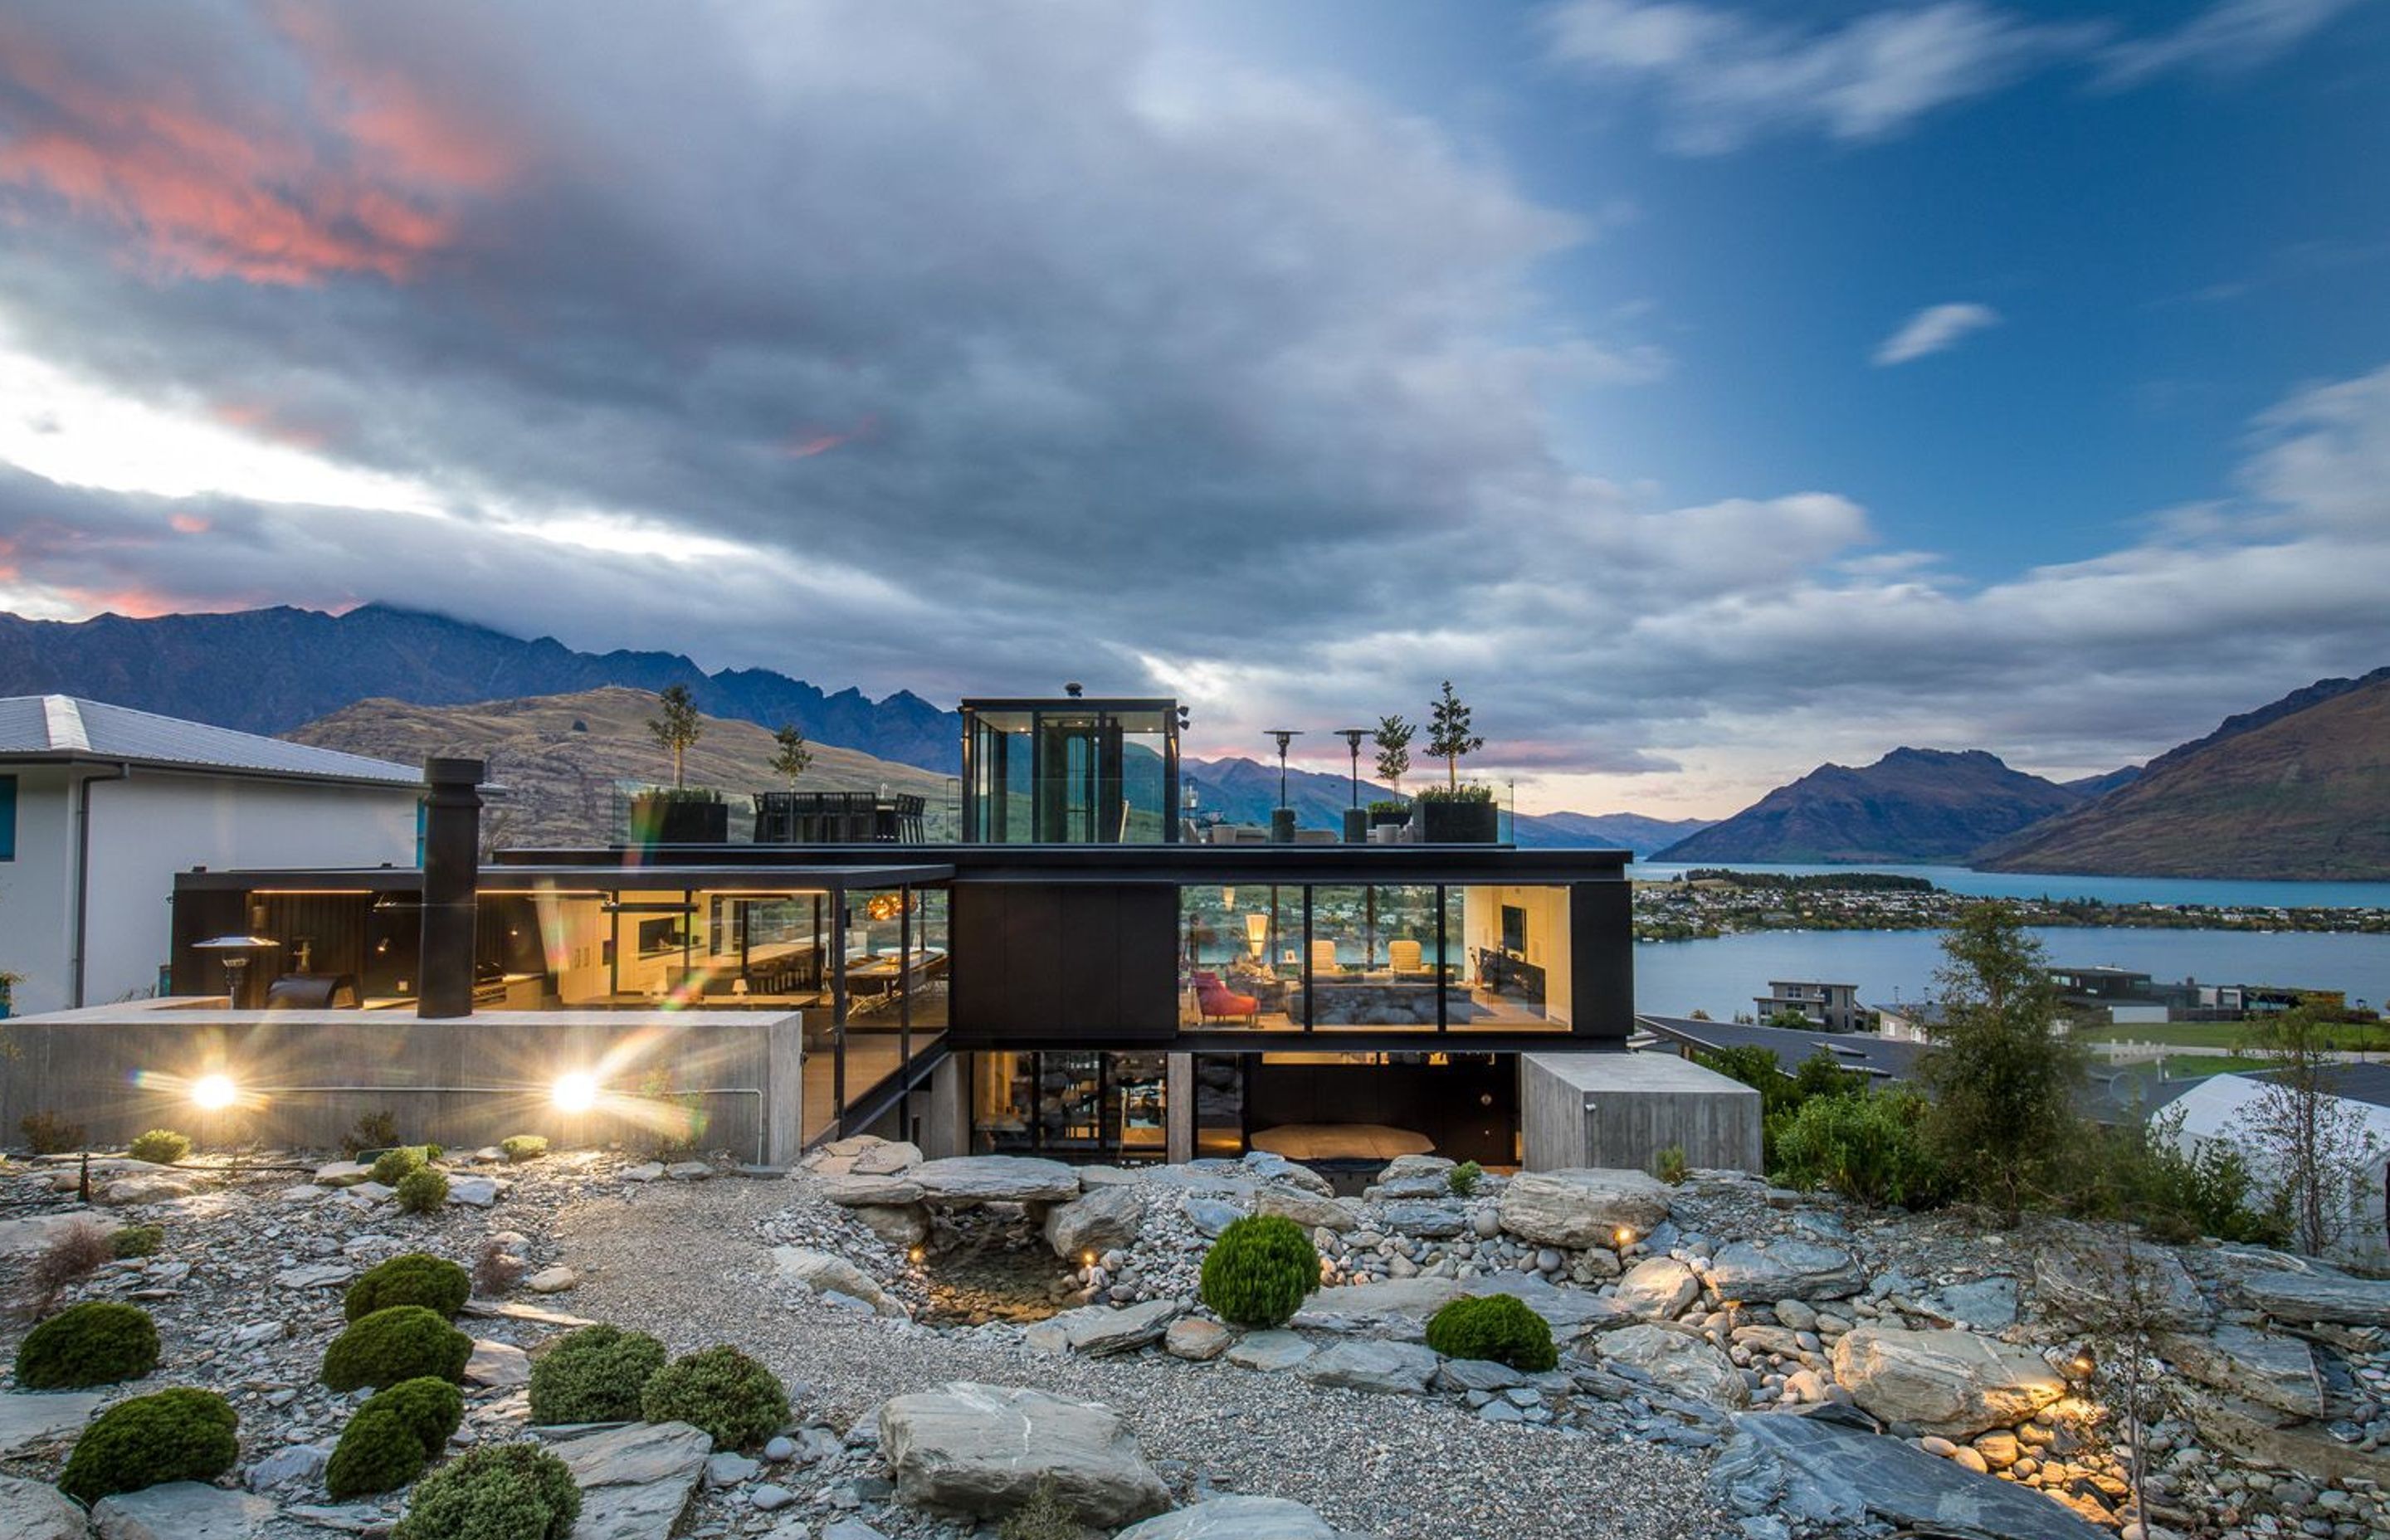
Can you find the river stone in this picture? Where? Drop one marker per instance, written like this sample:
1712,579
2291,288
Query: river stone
2258,1365
1364,1363
181,1511
1477,1373
872,1192
1211,1216
2089,1280
1398,1307
1235,1519
1196,1340
1427,1220
1100,1221
30,1417
552,1280
477,1192
1583,1206
825,1274
1270,1350
1678,1360
1783,1270
637,1481
1657,1286
1953,1383
498,1366
908,1224
2303,1297
1098,1330
1306,1208
292,1462
29,1511
887,1160
22,1237
342,1174
983,1449
994,1179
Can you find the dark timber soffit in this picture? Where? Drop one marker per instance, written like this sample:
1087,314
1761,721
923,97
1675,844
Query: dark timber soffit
1318,865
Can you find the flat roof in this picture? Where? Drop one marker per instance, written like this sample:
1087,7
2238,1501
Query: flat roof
1597,1071
1474,866
65,729
614,876
1883,1057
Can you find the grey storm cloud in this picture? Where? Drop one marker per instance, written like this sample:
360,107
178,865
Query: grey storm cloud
982,346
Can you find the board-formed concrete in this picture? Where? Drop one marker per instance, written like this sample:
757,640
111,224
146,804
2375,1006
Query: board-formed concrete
1619,1110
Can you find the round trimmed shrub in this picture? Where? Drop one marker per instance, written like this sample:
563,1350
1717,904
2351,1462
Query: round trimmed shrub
523,1147
424,1191
394,1166
506,1491
416,1278
176,1436
594,1375
1497,1326
98,1342
405,1341
1260,1271
159,1147
135,1240
735,1399
393,1437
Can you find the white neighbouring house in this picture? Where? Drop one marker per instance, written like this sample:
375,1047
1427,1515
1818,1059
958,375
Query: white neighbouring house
101,805
2218,1110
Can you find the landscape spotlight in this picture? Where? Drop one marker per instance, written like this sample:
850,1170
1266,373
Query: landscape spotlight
576,1092
214,1093
1624,1238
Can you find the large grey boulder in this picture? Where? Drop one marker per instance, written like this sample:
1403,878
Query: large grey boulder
994,1179
1235,1519
900,1224
1408,1176
1582,1206
127,1191
2095,1279
983,1449
2274,1371
1953,1383
825,1274
1100,1221
1278,1167
2263,1436
31,1234
1687,1365
1397,1308
886,1160
1659,1287
634,1481
181,1511
28,1419
872,1192
1365,1364
1427,1220
28,1510
1783,1270
1098,1330
1832,1475
2300,1298
1306,1208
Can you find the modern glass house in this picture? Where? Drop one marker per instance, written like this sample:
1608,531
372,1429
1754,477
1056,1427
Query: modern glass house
1070,979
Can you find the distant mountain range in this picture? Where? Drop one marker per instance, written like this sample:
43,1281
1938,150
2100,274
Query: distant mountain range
1244,791
2297,790
1913,804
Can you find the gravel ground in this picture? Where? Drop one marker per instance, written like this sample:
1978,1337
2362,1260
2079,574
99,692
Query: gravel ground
687,1263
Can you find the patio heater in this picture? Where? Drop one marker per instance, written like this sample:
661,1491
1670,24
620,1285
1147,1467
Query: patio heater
1357,823
1282,816
232,951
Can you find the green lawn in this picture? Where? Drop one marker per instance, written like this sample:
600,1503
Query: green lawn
2185,1066
2224,1034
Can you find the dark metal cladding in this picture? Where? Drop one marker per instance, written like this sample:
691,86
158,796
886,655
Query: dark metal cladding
452,845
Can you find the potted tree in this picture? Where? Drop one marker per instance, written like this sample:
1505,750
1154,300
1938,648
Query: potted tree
1453,813
776,816
1393,740
680,815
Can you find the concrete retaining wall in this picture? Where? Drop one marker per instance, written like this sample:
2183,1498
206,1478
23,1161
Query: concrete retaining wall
305,1077
1619,1110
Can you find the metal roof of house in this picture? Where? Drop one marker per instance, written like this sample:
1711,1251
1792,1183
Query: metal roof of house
62,728
1880,1057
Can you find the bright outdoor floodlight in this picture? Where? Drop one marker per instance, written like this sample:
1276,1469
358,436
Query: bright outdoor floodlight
214,1093
576,1092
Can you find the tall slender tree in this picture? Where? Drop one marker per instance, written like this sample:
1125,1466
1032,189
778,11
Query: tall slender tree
794,755
1449,737
1393,740
678,730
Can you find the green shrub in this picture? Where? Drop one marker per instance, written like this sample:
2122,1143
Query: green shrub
2135,1172
394,1166
1497,1326
159,1147
523,1147
417,1277
1670,1165
48,1134
1463,1178
509,1492
424,1191
135,1240
98,1342
1260,1270
373,1131
1044,1517
405,1341
721,1389
1871,1148
393,1437
176,1436
594,1375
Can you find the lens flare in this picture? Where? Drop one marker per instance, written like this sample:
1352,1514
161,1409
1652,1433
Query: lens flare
214,1093
576,1092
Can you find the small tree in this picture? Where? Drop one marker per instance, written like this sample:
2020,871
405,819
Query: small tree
1449,737
678,730
2309,1142
2125,1331
1393,740
794,756
2003,1082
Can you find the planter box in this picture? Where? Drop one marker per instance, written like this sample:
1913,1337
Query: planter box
1458,823
1398,819
1356,825
672,821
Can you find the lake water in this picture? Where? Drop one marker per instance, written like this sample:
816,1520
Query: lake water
2108,890
1721,976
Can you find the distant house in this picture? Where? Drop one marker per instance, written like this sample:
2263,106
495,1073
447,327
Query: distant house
1833,1007
2218,1111
101,805
1909,1021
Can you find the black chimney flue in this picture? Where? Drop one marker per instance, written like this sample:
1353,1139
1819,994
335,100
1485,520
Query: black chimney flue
452,856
